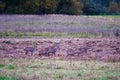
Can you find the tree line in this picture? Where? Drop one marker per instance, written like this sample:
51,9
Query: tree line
71,7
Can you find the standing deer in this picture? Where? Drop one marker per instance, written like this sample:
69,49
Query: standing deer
49,50
30,49
117,33
70,52
81,51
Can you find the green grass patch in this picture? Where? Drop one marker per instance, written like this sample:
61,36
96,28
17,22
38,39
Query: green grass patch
105,78
113,16
81,72
103,68
35,66
109,16
2,77
2,65
112,73
58,76
58,67
46,34
12,66
36,69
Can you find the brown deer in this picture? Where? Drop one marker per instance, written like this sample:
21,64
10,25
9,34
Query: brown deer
30,49
49,50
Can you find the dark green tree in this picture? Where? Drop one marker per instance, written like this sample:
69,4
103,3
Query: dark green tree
31,7
72,7
48,6
113,8
2,7
119,7
92,8
14,6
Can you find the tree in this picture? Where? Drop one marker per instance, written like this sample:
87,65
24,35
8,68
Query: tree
14,6
2,6
113,8
93,8
48,6
119,7
31,7
117,33
72,7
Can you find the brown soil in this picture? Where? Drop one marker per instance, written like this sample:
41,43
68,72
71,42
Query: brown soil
96,49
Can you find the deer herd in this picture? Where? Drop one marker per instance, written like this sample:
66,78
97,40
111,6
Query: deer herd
51,50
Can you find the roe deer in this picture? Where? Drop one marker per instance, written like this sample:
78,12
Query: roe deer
49,50
30,49
70,52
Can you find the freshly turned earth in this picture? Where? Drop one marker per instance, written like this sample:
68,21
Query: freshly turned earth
104,49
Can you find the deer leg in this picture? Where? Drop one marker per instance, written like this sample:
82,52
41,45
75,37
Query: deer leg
40,55
32,53
67,55
54,55
26,52
48,54
78,54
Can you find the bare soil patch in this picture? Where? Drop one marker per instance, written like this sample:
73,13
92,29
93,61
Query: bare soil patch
104,49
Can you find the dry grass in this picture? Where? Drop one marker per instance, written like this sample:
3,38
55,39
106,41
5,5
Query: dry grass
25,25
35,69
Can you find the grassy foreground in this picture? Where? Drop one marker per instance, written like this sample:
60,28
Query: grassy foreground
34,69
